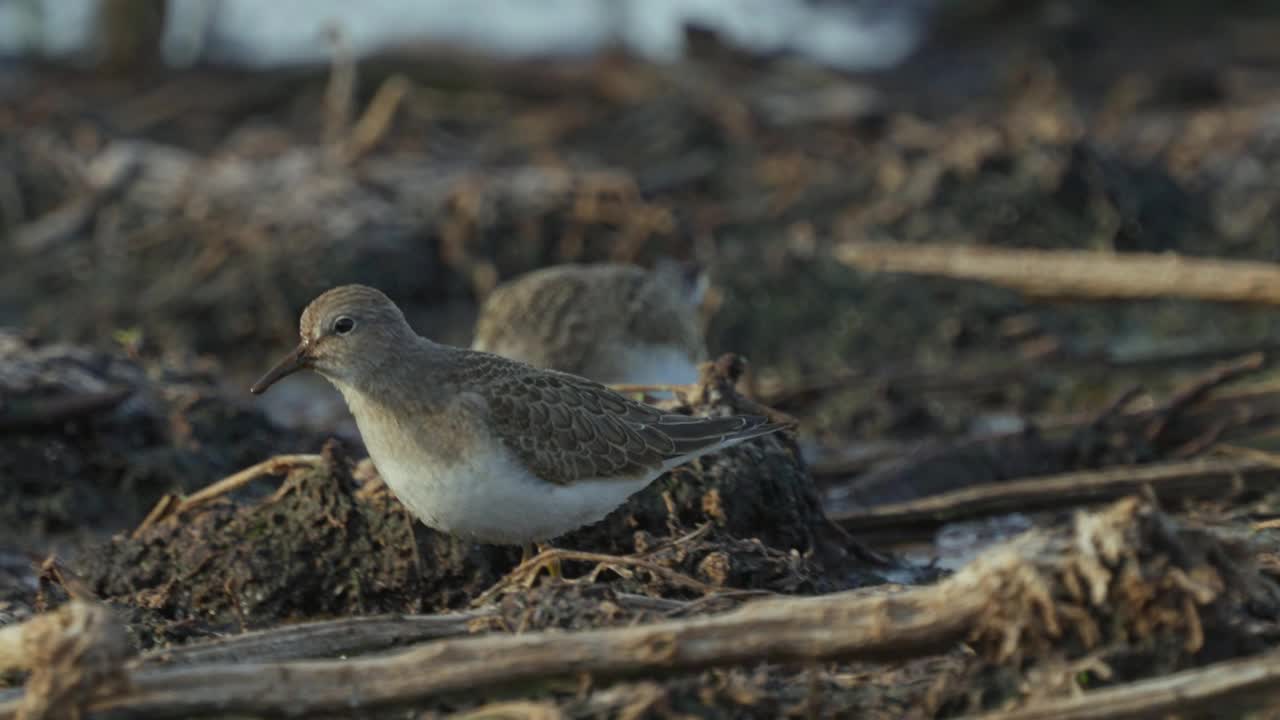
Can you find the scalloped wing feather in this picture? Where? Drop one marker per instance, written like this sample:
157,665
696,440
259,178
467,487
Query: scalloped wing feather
566,429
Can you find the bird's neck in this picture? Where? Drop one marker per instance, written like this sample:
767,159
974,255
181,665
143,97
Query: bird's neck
411,381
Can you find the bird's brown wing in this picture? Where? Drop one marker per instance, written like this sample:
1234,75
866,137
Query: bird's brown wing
567,429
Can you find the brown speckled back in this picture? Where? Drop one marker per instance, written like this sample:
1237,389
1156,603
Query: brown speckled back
581,318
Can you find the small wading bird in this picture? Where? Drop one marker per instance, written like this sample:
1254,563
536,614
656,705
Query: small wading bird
487,448
616,324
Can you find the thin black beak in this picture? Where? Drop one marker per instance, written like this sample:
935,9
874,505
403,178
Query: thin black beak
292,363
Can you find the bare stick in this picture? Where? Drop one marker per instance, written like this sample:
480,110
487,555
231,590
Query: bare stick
1074,273
1249,681
339,94
376,120
325,638
1195,478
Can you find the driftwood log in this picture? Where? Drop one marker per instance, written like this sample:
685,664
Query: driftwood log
1075,273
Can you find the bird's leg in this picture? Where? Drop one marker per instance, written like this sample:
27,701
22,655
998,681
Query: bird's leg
409,520
553,565
528,551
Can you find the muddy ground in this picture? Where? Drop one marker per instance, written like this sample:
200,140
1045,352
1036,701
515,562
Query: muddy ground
160,233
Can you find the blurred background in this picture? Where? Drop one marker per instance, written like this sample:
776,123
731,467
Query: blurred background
178,179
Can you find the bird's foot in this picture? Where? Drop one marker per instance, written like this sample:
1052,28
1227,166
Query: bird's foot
532,563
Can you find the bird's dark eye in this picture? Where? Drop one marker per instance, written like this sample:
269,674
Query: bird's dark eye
343,325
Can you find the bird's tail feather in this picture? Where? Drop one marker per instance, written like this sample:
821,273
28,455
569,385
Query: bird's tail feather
693,439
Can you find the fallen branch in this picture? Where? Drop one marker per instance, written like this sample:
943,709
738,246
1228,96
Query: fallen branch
73,652
326,638
27,413
1076,273
1195,478
1241,683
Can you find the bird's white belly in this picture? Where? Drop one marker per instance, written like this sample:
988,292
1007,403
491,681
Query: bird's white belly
489,497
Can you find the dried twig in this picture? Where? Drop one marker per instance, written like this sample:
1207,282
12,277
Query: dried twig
376,120
1195,478
529,569
170,506
53,571
1195,392
1079,274
718,383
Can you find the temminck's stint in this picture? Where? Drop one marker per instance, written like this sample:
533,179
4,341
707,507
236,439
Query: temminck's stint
616,324
484,447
